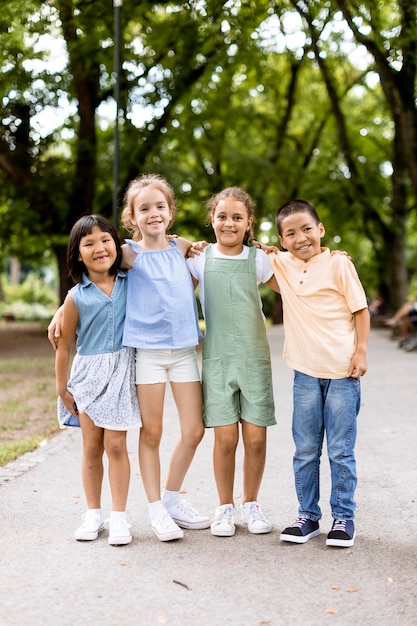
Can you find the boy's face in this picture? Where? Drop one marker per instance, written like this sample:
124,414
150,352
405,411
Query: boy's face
301,235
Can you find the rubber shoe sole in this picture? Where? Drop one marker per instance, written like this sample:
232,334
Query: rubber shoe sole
166,529
192,525
221,530
168,536
122,535
298,539
341,543
88,536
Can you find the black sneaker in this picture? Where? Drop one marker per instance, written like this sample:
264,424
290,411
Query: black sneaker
342,533
301,531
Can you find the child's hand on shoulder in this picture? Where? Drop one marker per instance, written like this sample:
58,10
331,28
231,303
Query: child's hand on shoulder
343,252
196,249
266,249
188,248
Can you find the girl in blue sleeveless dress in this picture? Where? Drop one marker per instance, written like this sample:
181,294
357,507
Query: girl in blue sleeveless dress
100,395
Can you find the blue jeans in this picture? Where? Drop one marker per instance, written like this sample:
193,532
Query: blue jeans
330,405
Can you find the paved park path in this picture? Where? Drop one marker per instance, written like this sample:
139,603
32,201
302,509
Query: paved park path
48,579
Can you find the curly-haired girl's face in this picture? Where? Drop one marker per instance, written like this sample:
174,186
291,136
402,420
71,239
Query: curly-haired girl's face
230,222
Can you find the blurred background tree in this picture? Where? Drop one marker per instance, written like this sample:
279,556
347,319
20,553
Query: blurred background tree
287,98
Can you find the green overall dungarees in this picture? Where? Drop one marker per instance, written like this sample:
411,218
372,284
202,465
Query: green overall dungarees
237,377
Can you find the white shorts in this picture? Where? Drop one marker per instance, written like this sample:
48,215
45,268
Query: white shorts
160,366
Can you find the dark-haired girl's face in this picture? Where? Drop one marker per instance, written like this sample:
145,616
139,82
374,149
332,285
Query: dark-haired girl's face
97,251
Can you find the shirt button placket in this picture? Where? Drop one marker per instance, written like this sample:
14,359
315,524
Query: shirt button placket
110,327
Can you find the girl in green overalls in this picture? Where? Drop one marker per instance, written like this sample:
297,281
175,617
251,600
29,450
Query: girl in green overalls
237,378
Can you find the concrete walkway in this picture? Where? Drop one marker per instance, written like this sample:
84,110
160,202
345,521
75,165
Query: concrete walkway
47,578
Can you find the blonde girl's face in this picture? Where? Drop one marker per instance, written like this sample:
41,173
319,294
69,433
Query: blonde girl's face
151,212
230,222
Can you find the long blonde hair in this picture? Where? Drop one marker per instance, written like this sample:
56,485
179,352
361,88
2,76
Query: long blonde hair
133,189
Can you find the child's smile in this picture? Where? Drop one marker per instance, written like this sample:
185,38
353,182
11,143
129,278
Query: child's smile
301,235
230,222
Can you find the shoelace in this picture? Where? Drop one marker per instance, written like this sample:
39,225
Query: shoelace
255,513
118,524
340,524
165,521
90,520
299,522
225,515
187,508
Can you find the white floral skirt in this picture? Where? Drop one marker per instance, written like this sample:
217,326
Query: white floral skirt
103,386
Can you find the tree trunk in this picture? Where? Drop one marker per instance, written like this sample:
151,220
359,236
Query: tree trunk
396,244
65,282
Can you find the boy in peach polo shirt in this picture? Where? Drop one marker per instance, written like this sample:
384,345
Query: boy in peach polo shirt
326,322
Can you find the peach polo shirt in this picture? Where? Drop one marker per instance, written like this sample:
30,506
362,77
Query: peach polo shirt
319,298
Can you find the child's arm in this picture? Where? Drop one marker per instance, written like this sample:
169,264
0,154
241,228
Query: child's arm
54,328
189,248
358,364
128,257
273,284
275,250
262,246
63,352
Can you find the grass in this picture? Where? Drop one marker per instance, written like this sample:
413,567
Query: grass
12,451
28,397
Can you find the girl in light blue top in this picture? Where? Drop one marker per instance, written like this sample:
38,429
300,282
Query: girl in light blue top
100,394
162,324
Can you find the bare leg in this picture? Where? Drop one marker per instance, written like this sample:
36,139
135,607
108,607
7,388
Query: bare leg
189,401
151,402
254,439
92,461
224,458
119,467
402,313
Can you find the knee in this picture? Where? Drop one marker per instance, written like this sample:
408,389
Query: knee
194,436
226,443
255,447
116,449
307,452
93,452
150,438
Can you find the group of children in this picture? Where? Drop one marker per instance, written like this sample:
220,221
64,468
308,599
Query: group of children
133,313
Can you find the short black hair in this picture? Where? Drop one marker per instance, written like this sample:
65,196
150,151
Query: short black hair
295,206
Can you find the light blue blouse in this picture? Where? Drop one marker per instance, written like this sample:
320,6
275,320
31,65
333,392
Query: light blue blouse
161,309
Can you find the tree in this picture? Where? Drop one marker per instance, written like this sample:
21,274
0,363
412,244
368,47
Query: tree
212,94
393,49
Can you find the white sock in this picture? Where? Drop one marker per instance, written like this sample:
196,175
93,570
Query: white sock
96,511
169,498
155,508
118,515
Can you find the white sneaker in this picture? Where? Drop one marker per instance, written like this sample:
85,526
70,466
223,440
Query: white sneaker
186,516
223,524
93,524
254,519
165,528
119,533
